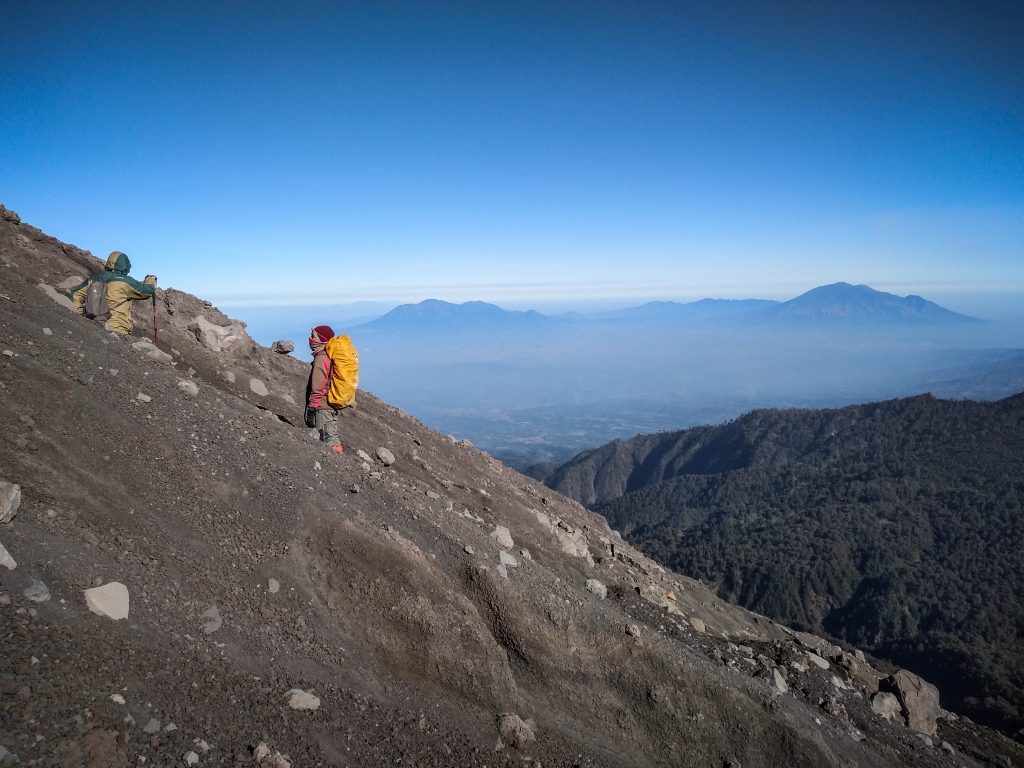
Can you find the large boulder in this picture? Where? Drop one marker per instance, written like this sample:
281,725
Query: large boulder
10,500
918,698
282,346
217,338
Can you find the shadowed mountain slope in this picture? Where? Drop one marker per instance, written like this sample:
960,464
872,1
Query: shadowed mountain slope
293,607
896,526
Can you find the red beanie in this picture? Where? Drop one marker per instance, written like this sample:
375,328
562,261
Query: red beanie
323,332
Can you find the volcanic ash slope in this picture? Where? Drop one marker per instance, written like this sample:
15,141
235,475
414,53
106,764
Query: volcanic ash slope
190,578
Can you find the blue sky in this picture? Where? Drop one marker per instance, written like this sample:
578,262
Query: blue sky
531,153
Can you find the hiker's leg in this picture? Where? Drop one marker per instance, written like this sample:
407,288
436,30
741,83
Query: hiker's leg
327,423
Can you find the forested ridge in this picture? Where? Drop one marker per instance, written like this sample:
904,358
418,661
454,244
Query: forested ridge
897,527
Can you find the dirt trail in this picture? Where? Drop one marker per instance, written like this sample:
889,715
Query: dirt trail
258,563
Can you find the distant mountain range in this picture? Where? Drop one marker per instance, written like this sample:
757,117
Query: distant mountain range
896,526
839,303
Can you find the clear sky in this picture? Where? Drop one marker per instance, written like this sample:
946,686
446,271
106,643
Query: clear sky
523,152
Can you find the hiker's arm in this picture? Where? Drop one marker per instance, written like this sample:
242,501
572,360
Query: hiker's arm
142,290
319,379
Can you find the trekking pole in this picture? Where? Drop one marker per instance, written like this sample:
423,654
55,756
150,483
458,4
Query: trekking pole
156,343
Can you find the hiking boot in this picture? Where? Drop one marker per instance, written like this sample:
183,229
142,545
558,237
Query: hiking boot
337,449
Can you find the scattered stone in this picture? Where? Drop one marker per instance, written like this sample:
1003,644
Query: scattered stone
117,698
502,535
885,705
229,377
925,739
300,699
110,600
201,745
526,554
5,599
698,624
633,630
6,560
190,758
799,666
817,661
502,571
215,622
507,559
261,752
468,550
433,495
37,592
143,398
216,337
258,387
597,588
947,747
153,726
273,586
778,682
361,454
47,332
387,458
918,698
190,388
56,296
170,727
516,732
10,500
859,655
282,347
113,371
354,488
839,683
8,353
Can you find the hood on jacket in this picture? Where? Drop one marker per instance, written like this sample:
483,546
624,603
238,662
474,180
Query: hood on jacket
118,262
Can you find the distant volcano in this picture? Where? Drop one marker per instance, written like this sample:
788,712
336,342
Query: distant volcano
843,302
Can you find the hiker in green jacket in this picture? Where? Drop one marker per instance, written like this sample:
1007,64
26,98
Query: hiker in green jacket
122,289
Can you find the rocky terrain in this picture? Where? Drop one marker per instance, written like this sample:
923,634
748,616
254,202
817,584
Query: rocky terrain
187,578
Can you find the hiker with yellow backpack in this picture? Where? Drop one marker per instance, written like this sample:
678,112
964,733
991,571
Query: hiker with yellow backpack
333,380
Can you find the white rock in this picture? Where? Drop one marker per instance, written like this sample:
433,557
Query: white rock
110,600
300,699
597,588
839,683
503,536
117,698
37,592
190,758
153,726
8,353
283,346
189,387
214,622
47,332
143,398
258,387
816,660
885,705
262,751
6,560
364,456
10,500
229,376
202,745
778,682
502,571
698,624
507,559
526,554
387,458
273,586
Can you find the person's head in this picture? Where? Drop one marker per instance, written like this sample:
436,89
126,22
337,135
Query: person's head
118,262
320,336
